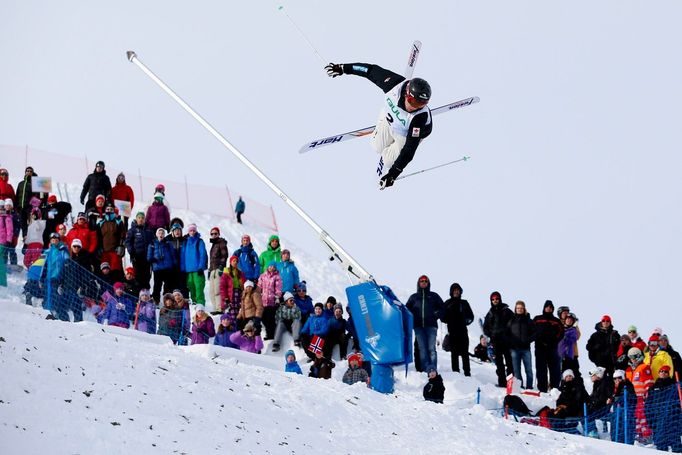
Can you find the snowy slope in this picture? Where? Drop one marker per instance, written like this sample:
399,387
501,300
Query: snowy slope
88,388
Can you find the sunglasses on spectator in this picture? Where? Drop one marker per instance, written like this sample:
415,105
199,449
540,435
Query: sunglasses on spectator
423,281
214,234
4,173
75,246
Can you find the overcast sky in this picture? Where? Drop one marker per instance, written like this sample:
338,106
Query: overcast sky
572,192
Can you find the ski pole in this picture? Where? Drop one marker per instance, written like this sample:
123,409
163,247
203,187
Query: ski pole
464,158
337,252
281,8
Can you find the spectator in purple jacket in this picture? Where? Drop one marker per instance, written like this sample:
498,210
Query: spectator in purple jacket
146,313
226,328
248,339
158,215
119,308
202,326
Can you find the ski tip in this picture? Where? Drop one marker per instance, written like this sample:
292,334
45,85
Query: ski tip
131,55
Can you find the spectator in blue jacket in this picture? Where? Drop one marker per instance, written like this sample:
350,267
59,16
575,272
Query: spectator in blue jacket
303,301
248,259
194,261
160,256
138,239
317,324
292,365
426,307
55,262
289,272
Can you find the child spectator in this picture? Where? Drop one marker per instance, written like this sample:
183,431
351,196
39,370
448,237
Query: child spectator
434,390
291,365
271,254
158,215
318,325
248,339
337,333
251,307
225,329
303,301
321,368
146,313
182,305
287,318
481,349
11,248
355,372
160,256
6,232
170,319
248,259
132,286
270,284
231,287
81,230
120,309
33,242
624,404
202,327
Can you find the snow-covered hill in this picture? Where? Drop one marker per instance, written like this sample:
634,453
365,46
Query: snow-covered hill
88,388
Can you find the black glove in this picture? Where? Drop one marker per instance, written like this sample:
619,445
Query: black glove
334,70
388,179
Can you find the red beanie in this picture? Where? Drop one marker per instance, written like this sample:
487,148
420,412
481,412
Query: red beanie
52,199
355,356
216,228
654,337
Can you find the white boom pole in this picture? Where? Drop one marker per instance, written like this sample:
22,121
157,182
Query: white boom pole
347,261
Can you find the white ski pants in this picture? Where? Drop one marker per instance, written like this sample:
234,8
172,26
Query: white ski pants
386,144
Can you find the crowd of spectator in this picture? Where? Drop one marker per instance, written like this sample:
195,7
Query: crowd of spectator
262,297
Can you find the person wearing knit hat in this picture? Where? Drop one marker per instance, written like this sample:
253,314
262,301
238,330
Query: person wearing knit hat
656,357
77,243
9,203
251,308
104,266
336,334
571,400
203,328
494,327
158,214
603,344
273,253
550,330
664,345
291,365
287,319
663,414
248,339
145,320
96,183
132,285
194,262
355,373
248,259
224,330
120,308
217,261
635,339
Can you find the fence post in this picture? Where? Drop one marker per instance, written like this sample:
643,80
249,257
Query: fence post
478,395
230,208
274,221
618,422
585,420
186,192
625,415
679,389
139,175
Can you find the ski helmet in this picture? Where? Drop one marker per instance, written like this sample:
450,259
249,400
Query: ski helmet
420,89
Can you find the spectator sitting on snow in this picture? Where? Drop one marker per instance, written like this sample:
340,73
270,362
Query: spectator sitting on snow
287,318
252,306
602,390
434,390
481,349
321,368
170,319
225,329
248,339
202,326
569,405
623,389
120,309
146,313
291,365
318,325
303,301
355,372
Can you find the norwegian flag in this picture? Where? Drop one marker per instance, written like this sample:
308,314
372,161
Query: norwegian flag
316,344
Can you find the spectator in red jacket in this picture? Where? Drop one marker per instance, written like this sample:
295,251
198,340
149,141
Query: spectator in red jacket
123,192
6,188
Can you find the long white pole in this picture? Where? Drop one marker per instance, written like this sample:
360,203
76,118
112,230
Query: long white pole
350,264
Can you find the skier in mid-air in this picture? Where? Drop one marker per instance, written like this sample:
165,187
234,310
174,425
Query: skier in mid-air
404,120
